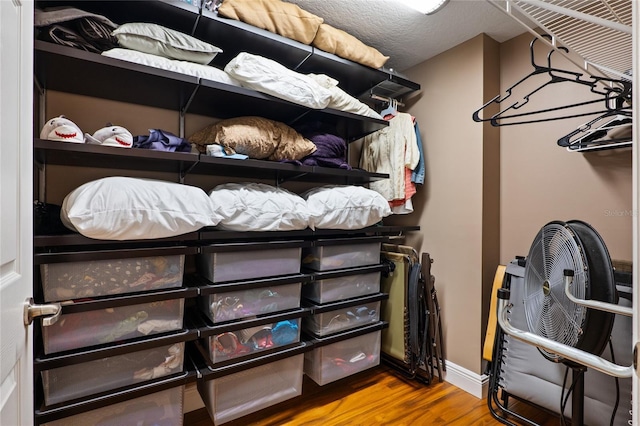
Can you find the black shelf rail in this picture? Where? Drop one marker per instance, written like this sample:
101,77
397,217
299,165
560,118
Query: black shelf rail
206,287
344,335
83,155
210,371
337,273
317,308
89,255
108,302
207,329
97,156
43,362
68,243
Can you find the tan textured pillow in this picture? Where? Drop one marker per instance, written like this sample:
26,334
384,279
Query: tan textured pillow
257,137
286,19
346,46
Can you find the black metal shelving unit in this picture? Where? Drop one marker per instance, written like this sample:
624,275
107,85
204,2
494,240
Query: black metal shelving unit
78,72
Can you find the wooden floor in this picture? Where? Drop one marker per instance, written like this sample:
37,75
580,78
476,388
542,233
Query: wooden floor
380,396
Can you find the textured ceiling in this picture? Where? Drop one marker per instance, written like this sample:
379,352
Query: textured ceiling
408,36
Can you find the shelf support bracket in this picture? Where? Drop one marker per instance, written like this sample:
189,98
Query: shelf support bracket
42,181
42,102
304,60
183,110
42,111
280,180
291,122
185,172
196,22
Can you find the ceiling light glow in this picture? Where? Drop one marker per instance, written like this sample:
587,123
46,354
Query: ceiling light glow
425,6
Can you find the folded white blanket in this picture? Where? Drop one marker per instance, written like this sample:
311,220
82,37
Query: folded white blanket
267,76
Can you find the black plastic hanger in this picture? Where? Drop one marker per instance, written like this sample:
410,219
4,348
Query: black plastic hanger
537,69
609,130
614,93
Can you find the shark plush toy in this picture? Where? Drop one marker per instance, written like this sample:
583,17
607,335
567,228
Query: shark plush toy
111,136
61,129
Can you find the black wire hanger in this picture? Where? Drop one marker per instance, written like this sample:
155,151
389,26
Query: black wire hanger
615,94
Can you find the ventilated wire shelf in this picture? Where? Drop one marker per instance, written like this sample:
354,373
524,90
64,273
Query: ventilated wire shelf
599,31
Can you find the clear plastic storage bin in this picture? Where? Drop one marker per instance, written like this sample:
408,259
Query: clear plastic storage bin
238,304
233,344
326,364
230,397
238,265
341,288
87,378
160,408
82,329
338,256
76,280
325,323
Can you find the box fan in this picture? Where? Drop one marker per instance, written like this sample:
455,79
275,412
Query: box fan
569,302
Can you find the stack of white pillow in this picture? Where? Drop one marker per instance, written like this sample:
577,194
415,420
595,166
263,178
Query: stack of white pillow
124,208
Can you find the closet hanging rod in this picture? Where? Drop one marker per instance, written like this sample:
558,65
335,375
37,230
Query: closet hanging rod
385,99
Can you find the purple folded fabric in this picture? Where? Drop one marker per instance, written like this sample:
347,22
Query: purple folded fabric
331,149
161,140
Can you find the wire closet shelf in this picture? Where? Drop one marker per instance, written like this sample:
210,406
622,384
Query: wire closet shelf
596,32
596,37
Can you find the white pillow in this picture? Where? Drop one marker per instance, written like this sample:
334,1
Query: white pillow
341,100
267,76
259,207
162,41
345,207
184,67
123,208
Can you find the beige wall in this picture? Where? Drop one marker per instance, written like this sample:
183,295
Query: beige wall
542,181
457,208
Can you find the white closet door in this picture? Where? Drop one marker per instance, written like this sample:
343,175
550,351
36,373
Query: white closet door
16,189
636,204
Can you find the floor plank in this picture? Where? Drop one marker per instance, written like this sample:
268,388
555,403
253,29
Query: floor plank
380,396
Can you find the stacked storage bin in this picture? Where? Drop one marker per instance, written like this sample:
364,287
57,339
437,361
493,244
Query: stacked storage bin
344,299
121,328
163,407
250,296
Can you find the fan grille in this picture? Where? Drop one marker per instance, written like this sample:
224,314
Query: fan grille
548,311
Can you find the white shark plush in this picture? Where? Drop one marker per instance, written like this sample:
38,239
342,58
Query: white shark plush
111,136
61,129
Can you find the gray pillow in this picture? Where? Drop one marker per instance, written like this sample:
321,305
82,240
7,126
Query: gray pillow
158,40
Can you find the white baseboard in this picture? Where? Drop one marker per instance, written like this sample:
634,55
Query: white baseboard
473,383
